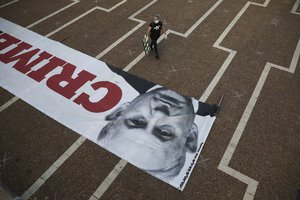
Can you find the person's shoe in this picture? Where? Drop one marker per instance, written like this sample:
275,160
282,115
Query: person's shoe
157,57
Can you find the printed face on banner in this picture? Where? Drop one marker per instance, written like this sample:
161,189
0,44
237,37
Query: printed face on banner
154,131
157,131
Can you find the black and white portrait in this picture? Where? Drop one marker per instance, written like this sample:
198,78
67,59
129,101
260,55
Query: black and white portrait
154,132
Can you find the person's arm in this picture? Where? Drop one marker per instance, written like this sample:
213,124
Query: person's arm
149,31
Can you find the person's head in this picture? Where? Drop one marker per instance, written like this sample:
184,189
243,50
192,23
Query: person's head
154,131
156,18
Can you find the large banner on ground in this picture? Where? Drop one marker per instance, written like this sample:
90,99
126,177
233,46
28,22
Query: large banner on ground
156,129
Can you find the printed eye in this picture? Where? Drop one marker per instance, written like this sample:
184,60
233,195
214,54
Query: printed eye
163,133
136,122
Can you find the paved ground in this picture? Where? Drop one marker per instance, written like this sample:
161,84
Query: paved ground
247,50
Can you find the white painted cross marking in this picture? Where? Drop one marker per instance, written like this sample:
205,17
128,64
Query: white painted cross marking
275,21
237,95
202,162
3,161
260,53
173,69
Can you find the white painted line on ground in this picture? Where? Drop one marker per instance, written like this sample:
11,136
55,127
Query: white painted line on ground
54,13
113,45
197,23
231,52
134,61
108,180
41,180
9,103
84,14
114,7
9,3
295,7
223,165
217,77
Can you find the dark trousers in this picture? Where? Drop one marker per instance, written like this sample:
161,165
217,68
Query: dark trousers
153,44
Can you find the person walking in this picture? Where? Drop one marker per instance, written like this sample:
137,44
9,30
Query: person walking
155,30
